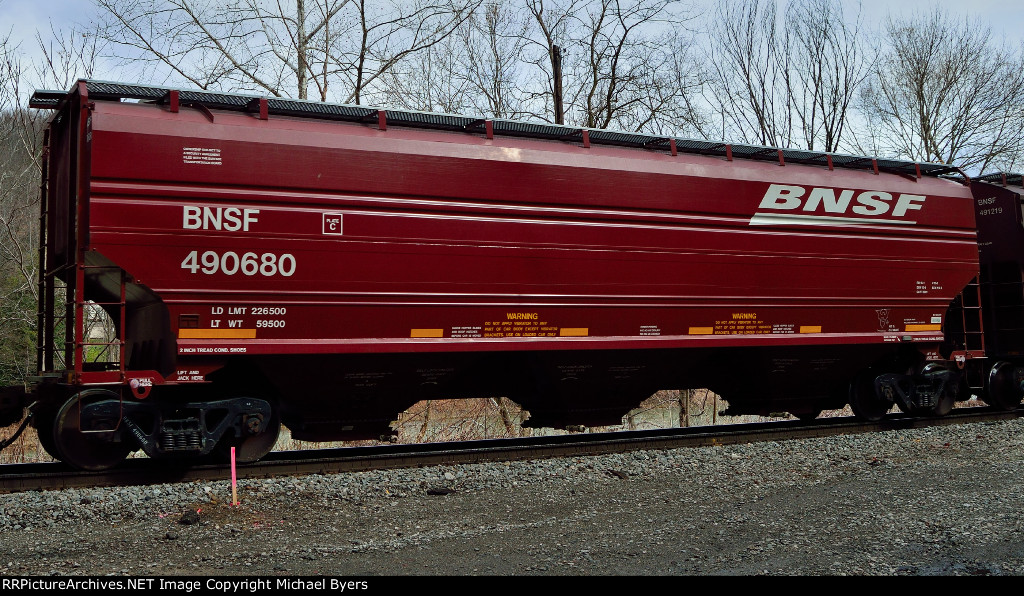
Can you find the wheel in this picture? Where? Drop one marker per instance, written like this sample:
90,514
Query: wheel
1002,390
96,449
944,405
864,400
252,447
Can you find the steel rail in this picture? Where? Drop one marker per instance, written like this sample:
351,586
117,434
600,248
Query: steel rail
143,471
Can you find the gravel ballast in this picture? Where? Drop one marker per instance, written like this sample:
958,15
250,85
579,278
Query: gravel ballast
937,501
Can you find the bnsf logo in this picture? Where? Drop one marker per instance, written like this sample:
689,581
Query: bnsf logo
231,219
795,205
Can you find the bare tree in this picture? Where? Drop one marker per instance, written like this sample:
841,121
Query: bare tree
388,34
17,238
828,61
207,44
274,47
432,80
493,47
553,22
65,56
625,64
618,60
785,80
300,40
747,67
621,63
684,80
944,91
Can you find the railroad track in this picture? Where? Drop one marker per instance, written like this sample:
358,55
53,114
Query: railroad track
141,471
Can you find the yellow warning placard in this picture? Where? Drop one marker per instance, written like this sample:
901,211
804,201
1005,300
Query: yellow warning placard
216,333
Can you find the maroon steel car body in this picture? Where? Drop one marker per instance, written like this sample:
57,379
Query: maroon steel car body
1001,246
355,267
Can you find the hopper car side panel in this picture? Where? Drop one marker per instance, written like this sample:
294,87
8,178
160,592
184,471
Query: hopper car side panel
448,242
1001,245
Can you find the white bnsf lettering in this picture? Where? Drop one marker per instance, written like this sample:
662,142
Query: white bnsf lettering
872,203
231,219
794,205
826,198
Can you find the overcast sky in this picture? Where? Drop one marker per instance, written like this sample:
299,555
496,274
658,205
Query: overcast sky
1006,17
21,18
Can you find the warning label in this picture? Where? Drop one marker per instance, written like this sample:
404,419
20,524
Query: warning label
201,155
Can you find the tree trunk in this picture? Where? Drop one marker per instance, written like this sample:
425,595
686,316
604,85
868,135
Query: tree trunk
556,75
506,418
303,47
420,436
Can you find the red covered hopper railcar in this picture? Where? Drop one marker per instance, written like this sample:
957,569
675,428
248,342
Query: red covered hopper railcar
267,261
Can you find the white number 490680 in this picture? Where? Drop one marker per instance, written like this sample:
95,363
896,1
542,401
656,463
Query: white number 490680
229,263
